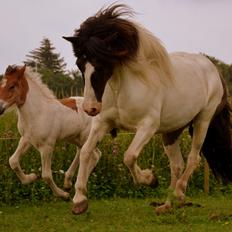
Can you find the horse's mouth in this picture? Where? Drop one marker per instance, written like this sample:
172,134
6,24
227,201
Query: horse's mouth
2,110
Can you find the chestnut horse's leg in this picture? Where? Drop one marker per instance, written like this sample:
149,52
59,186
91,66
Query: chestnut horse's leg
46,155
71,170
14,162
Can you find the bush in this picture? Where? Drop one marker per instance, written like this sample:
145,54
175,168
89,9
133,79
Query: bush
110,177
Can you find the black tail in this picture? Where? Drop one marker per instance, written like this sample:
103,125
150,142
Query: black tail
217,147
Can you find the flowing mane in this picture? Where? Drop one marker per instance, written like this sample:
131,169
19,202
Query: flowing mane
35,78
111,37
152,54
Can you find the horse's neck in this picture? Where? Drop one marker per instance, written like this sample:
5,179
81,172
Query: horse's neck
36,103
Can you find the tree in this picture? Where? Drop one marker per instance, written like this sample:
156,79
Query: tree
45,57
78,82
52,69
225,70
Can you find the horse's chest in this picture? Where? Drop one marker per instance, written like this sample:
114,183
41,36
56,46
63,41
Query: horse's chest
129,118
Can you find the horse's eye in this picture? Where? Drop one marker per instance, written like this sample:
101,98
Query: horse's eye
12,87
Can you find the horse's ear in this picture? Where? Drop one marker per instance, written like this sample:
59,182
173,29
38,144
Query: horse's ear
22,70
71,39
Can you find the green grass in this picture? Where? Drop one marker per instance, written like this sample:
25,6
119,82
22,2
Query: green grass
119,215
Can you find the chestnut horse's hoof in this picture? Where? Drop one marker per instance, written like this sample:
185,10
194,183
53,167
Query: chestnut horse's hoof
80,207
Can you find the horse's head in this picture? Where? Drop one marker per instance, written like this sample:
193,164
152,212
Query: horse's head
100,44
13,87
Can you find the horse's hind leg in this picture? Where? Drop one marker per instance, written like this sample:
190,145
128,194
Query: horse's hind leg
142,137
46,156
14,162
172,150
200,127
71,170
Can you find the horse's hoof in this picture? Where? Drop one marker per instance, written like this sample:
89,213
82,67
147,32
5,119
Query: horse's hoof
30,178
80,207
165,208
65,196
154,183
67,185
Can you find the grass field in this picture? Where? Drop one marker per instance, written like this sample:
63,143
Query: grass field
119,215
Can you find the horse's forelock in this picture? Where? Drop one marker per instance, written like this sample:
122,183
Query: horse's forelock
107,36
10,69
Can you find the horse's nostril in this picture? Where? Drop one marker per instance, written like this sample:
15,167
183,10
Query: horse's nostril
92,111
2,109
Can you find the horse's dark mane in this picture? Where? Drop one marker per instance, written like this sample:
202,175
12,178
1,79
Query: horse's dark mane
107,36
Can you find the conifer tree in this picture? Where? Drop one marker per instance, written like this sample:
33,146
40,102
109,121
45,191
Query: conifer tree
45,57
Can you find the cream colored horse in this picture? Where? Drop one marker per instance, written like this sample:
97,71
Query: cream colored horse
42,121
131,82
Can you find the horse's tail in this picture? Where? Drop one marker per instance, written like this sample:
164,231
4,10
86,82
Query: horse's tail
217,147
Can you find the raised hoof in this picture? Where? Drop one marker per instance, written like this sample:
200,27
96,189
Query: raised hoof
62,194
30,178
80,207
66,196
154,183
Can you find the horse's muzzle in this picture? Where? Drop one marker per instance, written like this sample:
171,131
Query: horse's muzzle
92,109
2,109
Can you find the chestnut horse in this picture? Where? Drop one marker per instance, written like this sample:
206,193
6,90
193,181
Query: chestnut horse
42,121
131,82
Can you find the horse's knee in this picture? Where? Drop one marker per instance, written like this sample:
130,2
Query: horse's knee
178,169
85,155
13,163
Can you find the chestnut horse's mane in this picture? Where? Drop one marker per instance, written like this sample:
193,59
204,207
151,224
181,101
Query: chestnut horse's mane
34,77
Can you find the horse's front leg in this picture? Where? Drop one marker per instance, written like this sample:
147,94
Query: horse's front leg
142,137
88,159
46,156
70,172
14,162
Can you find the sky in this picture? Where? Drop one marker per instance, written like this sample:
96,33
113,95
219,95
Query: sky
182,25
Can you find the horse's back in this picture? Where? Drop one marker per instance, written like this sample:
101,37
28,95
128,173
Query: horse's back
75,123
196,87
195,71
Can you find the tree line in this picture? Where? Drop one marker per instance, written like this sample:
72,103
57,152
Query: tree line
52,68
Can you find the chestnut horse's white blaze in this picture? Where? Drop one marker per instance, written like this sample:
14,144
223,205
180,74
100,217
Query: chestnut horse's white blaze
42,121
144,89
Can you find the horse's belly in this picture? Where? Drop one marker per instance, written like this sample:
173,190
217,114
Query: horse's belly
180,114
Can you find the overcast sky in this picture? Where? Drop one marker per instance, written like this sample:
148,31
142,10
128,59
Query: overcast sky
182,25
